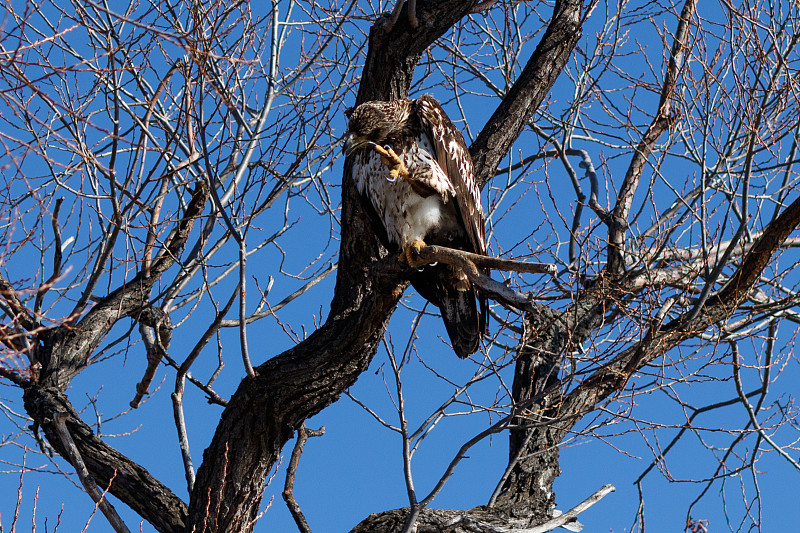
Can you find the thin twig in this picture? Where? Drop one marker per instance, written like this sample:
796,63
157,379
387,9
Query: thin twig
753,420
367,409
411,519
272,309
37,306
303,435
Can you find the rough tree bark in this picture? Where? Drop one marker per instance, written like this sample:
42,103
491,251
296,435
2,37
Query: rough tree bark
288,388
266,410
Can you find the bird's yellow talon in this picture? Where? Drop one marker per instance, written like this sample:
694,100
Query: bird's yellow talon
393,162
411,255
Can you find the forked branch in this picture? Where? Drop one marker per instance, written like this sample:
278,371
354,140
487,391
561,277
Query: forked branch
661,122
303,435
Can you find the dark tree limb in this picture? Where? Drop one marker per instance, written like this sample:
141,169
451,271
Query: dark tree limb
527,491
395,49
131,483
478,520
87,481
529,89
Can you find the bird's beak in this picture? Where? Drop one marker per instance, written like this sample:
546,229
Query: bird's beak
353,142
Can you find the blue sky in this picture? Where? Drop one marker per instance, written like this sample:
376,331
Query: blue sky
356,468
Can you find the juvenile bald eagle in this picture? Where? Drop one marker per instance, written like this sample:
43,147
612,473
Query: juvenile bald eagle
412,165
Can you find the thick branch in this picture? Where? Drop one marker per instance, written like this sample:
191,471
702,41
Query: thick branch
456,257
469,263
131,483
478,520
87,481
529,90
395,48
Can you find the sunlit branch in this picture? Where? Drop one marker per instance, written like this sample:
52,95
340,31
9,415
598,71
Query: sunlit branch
410,524
570,516
663,118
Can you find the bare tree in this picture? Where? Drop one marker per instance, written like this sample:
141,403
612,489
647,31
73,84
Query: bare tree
174,185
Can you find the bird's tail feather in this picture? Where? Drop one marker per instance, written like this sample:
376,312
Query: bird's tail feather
442,285
460,315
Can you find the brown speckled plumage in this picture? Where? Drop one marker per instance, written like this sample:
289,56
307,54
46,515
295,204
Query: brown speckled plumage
440,204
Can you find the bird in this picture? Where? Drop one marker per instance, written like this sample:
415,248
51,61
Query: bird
414,172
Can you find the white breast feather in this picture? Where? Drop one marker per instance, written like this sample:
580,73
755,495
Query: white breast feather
422,215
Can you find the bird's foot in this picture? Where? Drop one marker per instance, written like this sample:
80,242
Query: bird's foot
411,254
393,162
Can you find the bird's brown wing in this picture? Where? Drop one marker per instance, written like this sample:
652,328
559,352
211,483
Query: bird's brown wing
453,157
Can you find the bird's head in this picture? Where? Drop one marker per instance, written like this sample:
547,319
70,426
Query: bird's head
375,122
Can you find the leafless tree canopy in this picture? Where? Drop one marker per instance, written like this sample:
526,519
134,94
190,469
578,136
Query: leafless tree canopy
174,195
